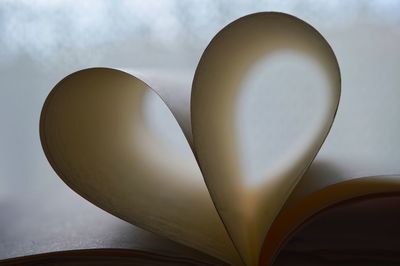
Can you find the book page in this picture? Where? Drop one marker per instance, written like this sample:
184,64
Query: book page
112,139
174,87
53,219
361,231
263,99
292,217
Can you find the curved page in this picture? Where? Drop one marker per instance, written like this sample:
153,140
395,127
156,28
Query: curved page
264,97
114,141
174,88
363,231
294,216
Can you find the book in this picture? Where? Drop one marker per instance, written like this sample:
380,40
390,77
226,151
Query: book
212,170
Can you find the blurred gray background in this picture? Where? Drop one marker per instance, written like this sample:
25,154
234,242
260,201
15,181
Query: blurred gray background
43,41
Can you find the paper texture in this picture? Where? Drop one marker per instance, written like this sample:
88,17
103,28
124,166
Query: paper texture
362,231
292,217
56,219
114,141
299,89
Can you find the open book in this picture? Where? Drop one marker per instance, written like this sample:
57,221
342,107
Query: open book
211,168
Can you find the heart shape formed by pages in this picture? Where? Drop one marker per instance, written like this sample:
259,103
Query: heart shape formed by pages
263,99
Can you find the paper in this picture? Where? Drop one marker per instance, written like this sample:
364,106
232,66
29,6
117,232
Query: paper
299,80
114,141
